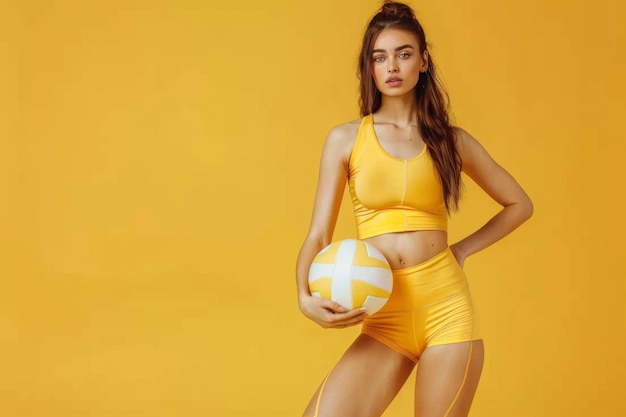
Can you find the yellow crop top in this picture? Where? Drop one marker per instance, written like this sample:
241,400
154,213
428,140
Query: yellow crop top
390,194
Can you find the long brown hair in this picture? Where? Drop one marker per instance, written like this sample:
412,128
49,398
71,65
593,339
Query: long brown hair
430,94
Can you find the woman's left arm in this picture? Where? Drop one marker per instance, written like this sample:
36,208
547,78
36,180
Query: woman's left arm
499,185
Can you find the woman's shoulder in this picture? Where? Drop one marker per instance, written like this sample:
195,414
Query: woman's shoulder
345,131
463,140
470,150
460,135
343,136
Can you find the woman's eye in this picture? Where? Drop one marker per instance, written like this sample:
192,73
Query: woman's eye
405,55
379,58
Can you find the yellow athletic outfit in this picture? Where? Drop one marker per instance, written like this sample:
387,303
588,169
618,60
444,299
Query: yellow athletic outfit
430,303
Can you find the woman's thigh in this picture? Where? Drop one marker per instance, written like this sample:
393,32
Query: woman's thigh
363,383
447,378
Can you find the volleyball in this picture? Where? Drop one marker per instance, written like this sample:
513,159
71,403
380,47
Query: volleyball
352,273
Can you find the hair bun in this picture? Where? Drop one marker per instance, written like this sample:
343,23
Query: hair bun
397,10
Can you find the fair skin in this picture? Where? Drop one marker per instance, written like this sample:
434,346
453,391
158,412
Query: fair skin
397,66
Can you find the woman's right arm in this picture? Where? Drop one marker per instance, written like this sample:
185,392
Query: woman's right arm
331,184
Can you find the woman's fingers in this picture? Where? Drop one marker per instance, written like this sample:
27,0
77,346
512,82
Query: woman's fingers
329,314
332,306
349,318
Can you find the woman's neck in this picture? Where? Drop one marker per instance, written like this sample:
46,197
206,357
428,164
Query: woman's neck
400,110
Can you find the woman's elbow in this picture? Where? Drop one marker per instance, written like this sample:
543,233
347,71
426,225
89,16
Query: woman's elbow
527,208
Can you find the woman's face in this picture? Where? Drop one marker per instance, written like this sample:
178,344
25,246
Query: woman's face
397,62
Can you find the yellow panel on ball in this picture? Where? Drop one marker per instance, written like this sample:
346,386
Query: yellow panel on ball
328,255
361,290
321,287
364,256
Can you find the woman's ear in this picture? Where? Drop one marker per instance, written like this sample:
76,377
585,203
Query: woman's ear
424,66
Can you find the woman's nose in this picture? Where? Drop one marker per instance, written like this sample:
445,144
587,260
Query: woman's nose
392,66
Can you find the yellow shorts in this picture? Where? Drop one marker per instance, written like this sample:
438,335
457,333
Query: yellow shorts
430,305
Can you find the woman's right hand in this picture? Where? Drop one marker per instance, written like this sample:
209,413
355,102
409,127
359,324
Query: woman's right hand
329,314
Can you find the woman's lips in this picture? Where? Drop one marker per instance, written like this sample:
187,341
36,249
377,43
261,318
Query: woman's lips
394,81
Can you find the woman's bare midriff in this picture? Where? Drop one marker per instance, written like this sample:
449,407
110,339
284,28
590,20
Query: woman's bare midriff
406,249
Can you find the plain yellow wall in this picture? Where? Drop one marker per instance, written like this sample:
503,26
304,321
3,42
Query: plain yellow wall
159,160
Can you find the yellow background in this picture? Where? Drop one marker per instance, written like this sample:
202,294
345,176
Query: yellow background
157,171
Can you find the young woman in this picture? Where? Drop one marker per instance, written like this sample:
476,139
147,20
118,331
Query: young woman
403,162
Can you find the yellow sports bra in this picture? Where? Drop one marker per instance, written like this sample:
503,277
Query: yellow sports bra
390,194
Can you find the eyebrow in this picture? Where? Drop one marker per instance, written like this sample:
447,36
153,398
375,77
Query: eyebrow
399,48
